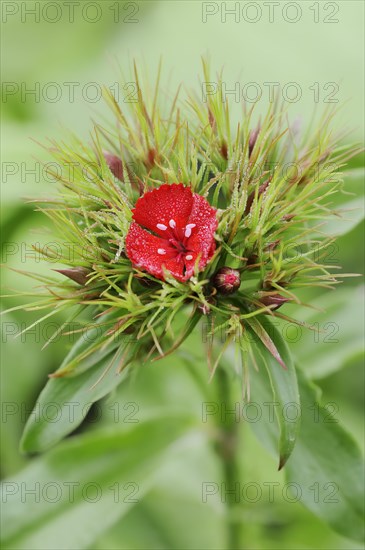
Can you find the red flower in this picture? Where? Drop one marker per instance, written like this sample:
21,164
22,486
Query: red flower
172,229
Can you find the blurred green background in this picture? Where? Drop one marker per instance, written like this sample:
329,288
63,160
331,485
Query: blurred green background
54,52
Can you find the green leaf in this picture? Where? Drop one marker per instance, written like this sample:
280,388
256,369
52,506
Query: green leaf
265,339
90,348
88,373
160,520
88,483
328,467
350,205
64,402
284,389
338,335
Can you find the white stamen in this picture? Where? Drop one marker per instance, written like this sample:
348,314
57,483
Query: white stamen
172,224
161,251
161,226
189,257
188,229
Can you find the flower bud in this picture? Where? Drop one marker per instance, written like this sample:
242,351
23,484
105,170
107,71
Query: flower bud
76,274
227,280
275,300
115,165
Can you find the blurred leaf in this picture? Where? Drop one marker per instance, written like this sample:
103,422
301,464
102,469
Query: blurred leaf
88,483
160,520
350,205
20,382
338,335
350,262
328,467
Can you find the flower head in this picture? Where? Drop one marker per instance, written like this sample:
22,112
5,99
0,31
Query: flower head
173,230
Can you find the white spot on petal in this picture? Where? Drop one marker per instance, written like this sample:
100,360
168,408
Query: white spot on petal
161,251
161,226
189,257
172,224
188,229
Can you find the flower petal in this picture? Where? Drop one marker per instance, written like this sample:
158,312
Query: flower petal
144,251
204,217
172,229
163,206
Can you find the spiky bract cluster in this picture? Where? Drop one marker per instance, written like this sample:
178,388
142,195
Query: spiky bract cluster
272,188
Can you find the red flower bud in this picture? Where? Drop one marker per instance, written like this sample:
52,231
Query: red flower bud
227,280
115,165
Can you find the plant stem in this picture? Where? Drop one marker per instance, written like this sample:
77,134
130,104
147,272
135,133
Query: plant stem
227,451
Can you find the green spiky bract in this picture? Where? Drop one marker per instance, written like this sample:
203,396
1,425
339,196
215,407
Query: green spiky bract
271,186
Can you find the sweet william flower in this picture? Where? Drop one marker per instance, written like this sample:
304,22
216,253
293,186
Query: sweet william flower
173,234
173,230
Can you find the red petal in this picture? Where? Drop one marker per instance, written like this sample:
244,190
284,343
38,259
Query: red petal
142,247
202,238
159,206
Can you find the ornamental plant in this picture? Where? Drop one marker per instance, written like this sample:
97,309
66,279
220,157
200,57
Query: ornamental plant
185,227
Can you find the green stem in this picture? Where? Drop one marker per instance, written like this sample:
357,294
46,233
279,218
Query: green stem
227,451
